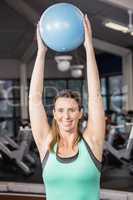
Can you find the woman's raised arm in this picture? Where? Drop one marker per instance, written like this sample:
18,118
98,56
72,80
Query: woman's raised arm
95,130
38,117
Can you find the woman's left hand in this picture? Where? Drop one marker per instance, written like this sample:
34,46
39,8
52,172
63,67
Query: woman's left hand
88,32
41,45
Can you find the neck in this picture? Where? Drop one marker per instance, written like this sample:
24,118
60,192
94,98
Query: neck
67,139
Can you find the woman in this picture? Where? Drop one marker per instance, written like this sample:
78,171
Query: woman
71,161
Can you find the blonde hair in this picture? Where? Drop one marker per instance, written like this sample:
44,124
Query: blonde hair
55,128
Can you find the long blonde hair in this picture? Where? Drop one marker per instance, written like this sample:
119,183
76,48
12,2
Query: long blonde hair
55,129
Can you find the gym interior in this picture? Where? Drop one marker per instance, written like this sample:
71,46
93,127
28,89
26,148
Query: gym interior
112,28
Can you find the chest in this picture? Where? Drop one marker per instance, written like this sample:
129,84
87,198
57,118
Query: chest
81,169
65,153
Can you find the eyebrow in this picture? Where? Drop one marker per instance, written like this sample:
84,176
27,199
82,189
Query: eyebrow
67,108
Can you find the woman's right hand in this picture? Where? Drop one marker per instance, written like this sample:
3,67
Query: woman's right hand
88,32
41,45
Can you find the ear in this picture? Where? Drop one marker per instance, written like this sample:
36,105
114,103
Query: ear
81,114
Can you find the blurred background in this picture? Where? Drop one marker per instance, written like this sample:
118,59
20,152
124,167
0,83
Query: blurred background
111,20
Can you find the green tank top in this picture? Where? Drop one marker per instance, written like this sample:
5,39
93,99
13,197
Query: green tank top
73,178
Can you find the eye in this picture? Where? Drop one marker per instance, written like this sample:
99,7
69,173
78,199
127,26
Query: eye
60,110
72,110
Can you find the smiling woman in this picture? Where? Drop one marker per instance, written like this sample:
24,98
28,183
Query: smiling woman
71,160
66,119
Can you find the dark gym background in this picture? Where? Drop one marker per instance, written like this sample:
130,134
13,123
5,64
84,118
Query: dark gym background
113,50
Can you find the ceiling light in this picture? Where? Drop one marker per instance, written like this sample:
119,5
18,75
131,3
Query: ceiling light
63,65
63,62
116,26
77,71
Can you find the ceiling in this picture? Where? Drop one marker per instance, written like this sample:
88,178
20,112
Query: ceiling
18,21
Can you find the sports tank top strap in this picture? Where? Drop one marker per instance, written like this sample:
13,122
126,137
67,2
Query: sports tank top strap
97,163
45,159
47,156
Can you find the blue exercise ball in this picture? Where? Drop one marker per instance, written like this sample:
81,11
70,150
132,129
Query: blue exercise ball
61,27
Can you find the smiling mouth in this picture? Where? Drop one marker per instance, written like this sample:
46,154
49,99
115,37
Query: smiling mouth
67,121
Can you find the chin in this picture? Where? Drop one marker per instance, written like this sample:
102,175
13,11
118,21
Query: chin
68,129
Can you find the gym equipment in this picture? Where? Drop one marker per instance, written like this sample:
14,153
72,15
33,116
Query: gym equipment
113,129
61,27
18,153
123,156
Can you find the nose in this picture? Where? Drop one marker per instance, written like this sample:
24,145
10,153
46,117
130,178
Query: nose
66,115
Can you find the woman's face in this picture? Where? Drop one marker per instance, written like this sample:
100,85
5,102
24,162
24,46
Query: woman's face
67,114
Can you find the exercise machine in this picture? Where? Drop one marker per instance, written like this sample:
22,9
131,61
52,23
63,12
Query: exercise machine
18,153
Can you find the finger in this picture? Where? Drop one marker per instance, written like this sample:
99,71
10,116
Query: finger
87,21
86,18
84,23
38,31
